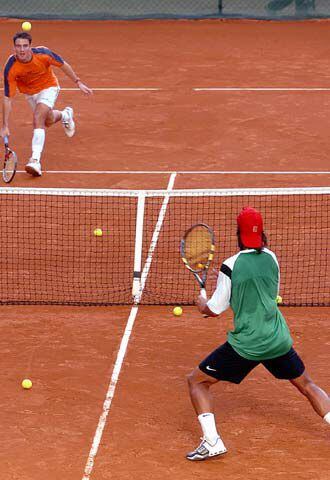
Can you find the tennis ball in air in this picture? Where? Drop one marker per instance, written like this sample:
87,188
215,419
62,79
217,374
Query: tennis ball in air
27,384
279,299
26,26
98,232
177,311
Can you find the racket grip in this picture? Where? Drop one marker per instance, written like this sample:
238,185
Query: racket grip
203,293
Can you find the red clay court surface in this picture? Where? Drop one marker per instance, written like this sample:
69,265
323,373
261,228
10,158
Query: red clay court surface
69,352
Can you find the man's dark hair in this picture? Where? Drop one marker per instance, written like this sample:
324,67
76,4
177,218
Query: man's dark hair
24,35
241,246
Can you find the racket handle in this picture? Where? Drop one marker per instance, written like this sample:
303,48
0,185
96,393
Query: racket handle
203,293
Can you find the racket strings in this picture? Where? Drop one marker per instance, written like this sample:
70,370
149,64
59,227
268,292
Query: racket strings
10,166
198,248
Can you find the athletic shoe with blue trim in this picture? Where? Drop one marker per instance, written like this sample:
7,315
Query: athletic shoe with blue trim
206,450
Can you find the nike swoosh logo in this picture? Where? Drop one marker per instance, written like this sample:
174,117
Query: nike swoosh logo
209,368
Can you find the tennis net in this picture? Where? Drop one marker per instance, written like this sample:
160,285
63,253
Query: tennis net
52,256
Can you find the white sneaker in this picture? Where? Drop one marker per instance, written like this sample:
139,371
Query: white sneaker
206,450
67,122
33,167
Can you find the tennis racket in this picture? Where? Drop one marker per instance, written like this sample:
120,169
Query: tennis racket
197,251
10,163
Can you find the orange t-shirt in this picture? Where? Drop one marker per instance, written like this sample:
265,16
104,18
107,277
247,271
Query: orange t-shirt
33,76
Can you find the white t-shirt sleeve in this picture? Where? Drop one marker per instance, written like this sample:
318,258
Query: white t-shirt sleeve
220,300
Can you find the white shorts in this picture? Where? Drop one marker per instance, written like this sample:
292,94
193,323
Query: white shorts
47,96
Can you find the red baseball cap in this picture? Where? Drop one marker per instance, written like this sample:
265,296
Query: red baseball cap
250,226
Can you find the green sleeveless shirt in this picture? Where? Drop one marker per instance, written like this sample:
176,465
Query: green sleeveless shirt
252,283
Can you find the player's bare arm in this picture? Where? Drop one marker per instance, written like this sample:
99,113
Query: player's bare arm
203,308
69,72
6,109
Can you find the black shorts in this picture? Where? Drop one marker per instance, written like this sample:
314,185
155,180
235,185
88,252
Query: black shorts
224,363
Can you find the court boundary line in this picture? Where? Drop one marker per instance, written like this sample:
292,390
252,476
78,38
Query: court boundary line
183,172
124,341
261,89
111,89
115,89
207,89
201,89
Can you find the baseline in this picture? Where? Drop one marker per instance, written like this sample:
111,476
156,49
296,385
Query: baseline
190,172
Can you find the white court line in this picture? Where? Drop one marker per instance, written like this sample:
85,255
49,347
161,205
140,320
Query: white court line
110,393
112,89
203,89
116,89
155,235
183,172
261,89
123,345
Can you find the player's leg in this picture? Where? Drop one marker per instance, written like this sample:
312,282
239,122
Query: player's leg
222,364
65,116
53,117
40,114
42,105
199,389
318,398
49,97
201,398
291,367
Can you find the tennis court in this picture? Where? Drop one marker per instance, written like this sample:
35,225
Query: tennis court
204,105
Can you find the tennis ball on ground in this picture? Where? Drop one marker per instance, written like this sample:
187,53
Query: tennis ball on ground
177,311
26,26
98,232
279,299
27,384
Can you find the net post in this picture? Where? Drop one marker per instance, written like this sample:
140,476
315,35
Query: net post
136,287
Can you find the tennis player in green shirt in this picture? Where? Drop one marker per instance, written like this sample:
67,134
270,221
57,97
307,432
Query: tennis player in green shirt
248,282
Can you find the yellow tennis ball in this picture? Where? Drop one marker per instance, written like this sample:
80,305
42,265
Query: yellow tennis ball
200,265
26,26
27,384
98,232
177,311
279,299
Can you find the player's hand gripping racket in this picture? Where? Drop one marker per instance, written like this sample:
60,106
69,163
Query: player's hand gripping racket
10,163
197,250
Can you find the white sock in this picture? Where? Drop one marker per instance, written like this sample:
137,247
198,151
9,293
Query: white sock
327,417
38,142
209,428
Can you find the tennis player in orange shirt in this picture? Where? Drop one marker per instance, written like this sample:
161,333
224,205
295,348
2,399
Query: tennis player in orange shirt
29,70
